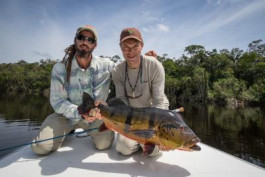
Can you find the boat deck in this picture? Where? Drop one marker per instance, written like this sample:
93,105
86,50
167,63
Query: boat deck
78,158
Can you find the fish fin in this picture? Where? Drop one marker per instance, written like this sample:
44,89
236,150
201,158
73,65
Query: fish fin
87,104
177,114
143,133
115,102
102,127
164,148
148,149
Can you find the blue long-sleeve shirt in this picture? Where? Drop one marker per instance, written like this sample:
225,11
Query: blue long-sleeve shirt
66,97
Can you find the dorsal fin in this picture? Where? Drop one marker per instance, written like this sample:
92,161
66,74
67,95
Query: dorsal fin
87,104
115,102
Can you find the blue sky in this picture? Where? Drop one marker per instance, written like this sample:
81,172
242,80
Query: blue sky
38,29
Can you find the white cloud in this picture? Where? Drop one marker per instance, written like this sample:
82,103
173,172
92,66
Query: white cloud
162,27
212,29
220,18
156,28
45,32
214,2
220,2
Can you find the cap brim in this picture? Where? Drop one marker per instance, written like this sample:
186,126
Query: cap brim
87,29
131,37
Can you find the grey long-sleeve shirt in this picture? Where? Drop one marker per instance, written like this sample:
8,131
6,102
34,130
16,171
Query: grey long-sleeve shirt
151,87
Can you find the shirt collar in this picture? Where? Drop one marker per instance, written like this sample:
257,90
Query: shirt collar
76,66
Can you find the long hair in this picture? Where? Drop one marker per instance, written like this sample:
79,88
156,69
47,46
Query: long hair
67,60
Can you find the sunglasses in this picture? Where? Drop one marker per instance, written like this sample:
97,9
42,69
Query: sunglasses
81,37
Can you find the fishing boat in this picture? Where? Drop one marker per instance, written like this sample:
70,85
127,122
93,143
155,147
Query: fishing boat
78,157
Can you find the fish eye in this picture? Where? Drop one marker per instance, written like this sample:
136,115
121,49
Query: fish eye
181,127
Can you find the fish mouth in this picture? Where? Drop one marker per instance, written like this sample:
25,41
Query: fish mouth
192,145
195,147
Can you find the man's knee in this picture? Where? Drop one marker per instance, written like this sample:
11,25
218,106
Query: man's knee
41,149
126,147
123,150
103,145
103,141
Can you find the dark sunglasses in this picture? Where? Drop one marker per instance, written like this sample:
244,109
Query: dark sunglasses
81,37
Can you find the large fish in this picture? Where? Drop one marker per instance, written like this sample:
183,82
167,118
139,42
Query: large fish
150,126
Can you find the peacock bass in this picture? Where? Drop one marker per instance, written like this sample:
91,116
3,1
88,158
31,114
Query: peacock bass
161,127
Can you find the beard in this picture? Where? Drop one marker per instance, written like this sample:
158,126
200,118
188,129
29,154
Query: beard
83,53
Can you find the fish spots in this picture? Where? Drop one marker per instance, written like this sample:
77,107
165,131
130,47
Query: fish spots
172,133
171,130
170,126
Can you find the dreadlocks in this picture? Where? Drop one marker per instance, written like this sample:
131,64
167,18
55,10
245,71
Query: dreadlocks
67,60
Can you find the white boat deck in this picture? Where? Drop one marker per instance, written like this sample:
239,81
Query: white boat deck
78,158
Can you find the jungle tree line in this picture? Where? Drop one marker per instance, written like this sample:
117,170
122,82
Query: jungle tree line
225,76
23,77
197,76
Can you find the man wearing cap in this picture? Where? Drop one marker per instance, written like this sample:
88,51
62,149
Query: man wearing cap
79,72
139,81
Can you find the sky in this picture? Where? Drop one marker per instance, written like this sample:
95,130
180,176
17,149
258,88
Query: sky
32,30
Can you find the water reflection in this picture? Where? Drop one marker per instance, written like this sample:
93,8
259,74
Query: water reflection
240,132
20,118
32,109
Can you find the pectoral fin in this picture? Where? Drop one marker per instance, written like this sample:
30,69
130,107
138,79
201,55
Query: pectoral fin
102,127
148,149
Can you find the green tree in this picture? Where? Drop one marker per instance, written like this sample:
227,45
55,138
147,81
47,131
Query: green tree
201,79
228,88
257,47
218,66
170,68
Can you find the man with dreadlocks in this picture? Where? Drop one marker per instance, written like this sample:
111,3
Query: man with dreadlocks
79,72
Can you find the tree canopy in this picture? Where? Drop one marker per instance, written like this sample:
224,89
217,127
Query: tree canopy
198,75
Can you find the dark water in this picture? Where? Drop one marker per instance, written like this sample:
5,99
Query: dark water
240,132
20,119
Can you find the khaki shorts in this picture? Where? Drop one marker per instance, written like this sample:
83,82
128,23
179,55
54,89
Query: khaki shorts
56,125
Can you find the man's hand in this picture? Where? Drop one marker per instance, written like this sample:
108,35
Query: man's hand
151,53
97,102
88,118
181,109
92,115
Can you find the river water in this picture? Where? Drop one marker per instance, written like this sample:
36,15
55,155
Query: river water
240,132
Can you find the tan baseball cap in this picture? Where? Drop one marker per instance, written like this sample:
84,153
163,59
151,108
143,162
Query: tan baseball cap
88,28
131,33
